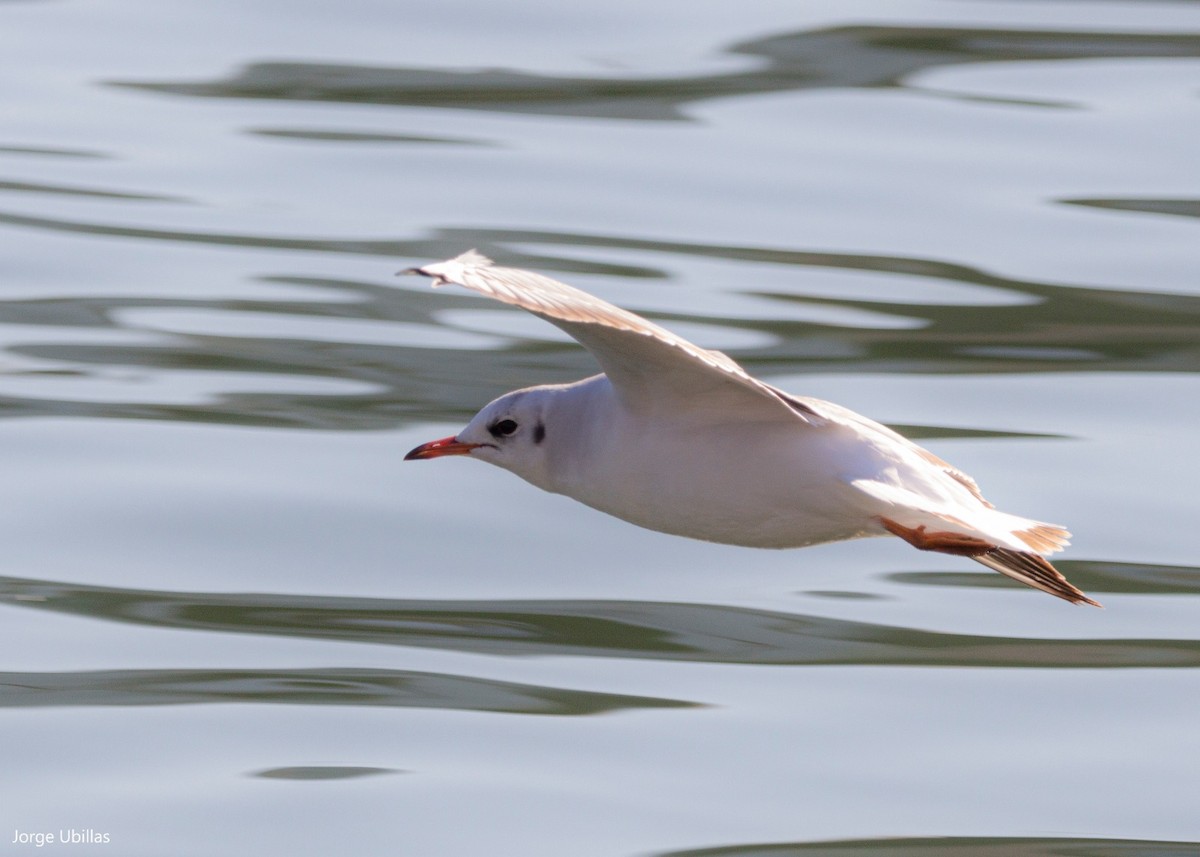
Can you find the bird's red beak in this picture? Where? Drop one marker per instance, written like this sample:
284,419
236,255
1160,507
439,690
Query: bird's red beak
438,448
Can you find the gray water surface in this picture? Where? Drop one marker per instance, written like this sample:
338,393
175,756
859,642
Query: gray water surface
236,622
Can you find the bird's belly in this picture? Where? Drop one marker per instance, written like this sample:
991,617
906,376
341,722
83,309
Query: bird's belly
786,527
770,493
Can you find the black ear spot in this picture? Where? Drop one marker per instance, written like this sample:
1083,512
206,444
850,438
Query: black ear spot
503,428
539,433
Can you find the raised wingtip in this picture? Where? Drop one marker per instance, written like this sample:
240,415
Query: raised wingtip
451,269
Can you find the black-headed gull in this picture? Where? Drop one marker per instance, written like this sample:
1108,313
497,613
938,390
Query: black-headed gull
680,439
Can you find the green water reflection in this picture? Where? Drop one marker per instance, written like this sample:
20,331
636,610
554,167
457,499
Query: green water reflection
344,686
626,629
1058,328
853,56
967,846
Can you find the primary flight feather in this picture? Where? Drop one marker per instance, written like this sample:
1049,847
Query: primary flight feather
680,439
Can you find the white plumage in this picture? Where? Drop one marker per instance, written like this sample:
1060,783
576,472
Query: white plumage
680,439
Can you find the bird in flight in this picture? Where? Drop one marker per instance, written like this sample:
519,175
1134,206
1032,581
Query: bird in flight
680,439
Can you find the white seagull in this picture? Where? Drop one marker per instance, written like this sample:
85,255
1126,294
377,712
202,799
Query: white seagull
676,438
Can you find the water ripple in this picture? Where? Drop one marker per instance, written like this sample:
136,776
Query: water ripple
842,57
957,846
390,343
707,633
325,686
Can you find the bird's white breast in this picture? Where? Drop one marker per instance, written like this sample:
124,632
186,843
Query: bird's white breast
770,484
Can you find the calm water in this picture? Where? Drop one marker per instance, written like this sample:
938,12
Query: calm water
235,622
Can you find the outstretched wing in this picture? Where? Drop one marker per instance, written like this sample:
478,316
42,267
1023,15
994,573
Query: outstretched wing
648,366
651,368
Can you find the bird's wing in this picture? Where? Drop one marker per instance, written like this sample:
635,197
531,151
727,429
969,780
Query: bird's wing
648,366
868,428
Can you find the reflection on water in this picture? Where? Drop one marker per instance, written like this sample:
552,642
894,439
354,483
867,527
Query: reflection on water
212,239
858,57
707,633
1056,328
323,772
1174,207
50,151
97,193
966,846
317,135
1130,577
390,688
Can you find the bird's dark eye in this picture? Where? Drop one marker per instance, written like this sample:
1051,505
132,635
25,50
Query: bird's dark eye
503,428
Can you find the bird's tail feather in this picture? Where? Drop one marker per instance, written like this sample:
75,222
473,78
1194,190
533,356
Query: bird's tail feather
1035,571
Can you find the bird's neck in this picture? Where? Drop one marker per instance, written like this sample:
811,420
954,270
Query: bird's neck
579,426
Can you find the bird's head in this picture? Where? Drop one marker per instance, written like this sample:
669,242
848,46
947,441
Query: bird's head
510,432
